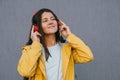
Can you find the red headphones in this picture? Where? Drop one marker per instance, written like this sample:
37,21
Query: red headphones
35,28
59,23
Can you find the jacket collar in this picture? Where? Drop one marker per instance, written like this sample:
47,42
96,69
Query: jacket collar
65,59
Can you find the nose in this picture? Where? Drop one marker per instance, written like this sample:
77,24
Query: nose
50,22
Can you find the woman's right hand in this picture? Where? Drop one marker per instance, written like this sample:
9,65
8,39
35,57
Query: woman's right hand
35,36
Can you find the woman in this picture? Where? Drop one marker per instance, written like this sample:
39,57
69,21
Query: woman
47,56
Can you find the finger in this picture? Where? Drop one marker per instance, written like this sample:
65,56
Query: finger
38,34
32,31
62,23
62,28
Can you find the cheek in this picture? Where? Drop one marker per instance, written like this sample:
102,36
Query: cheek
56,25
44,26
57,28
44,29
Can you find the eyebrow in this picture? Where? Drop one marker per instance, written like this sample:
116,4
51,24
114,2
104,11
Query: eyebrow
50,17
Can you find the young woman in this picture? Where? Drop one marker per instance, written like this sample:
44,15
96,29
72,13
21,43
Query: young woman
49,56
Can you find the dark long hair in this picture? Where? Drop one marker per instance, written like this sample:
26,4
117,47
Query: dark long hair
36,20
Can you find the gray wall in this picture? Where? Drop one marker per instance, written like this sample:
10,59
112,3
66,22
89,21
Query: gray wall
97,22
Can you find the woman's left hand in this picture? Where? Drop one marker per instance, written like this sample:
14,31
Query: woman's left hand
64,29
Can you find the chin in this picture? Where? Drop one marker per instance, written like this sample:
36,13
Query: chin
52,31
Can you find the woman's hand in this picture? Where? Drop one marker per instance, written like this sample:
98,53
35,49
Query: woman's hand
35,36
64,29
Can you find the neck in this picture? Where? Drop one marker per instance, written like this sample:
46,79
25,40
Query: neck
50,40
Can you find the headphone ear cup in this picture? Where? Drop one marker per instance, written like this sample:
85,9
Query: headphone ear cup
36,28
59,23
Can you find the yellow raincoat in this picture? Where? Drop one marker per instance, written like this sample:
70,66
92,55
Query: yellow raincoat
32,64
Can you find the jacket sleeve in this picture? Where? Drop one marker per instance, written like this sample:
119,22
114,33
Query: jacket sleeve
81,52
28,60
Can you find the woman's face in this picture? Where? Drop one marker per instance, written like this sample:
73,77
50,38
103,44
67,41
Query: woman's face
49,23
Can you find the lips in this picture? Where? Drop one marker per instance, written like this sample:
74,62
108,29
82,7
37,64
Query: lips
51,27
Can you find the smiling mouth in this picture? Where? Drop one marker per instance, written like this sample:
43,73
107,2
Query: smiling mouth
51,27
